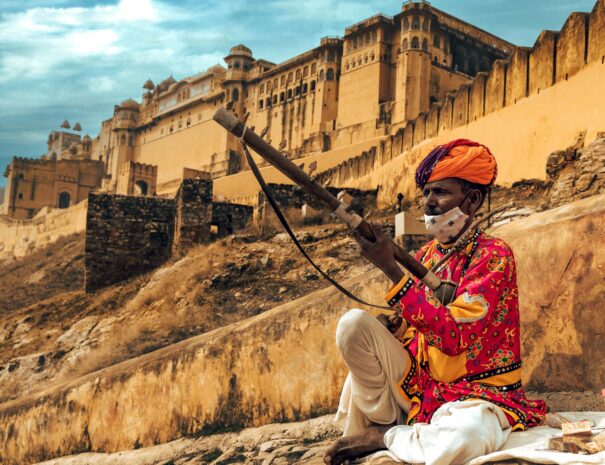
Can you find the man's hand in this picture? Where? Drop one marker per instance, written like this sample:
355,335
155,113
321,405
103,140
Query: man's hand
394,323
380,252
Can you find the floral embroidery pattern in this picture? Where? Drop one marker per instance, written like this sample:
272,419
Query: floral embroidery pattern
486,273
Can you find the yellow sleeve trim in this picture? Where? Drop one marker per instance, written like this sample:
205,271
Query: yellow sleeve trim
399,290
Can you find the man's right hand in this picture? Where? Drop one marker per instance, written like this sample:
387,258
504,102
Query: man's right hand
396,325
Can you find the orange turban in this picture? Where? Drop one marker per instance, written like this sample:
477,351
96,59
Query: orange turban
461,158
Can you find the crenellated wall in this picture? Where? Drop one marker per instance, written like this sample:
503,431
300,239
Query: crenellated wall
524,108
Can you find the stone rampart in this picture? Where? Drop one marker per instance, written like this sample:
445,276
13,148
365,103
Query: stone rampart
21,237
125,236
283,365
192,213
229,217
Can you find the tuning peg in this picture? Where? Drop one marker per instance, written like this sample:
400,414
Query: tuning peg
264,132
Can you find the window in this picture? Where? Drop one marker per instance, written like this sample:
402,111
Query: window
372,57
235,95
313,68
274,99
425,24
435,59
236,65
305,71
289,93
305,88
131,140
355,43
367,35
260,104
365,59
123,139
140,188
347,66
268,102
436,42
283,80
297,91
415,22
359,61
269,87
330,74
312,86
321,75
290,76
262,88
331,56
64,199
415,43
374,36
282,96
406,24
20,195
298,74
425,45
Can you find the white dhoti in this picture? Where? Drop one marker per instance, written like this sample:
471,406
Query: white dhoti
377,361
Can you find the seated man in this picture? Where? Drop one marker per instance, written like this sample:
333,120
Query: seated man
405,386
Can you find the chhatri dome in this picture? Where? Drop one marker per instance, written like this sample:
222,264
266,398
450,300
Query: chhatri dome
240,50
130,103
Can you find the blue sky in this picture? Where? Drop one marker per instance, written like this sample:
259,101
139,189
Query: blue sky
75,59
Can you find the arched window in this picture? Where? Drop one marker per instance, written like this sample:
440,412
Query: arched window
274,99
305,88
415,22
269,87
297,91
140,188
268,102
290,76
313,68
435,59
262,88
415,42
355,43
282,81
282,96
359,61
365,58
436,41
347,65
321,75
373,57
330,74
289,93
331,57
312,86
405,44
406,24
298,74
235,95
64,200
236,65
260,104
367,38
425,45
425,24
305,71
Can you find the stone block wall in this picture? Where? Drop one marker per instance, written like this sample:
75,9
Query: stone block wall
229,217
193,214
125,236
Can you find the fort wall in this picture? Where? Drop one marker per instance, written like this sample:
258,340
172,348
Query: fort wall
125,236
21,237
192,214
283,365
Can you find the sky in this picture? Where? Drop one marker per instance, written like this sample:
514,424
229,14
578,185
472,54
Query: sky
75,59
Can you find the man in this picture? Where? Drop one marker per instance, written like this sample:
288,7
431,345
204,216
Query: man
452,372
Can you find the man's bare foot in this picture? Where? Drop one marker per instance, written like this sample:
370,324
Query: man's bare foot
359,445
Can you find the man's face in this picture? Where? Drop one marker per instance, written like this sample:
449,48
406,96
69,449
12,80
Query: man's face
441,196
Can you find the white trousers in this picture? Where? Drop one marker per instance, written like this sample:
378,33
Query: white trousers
458,432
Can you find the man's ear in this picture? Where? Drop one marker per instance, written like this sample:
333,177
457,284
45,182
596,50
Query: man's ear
475,198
